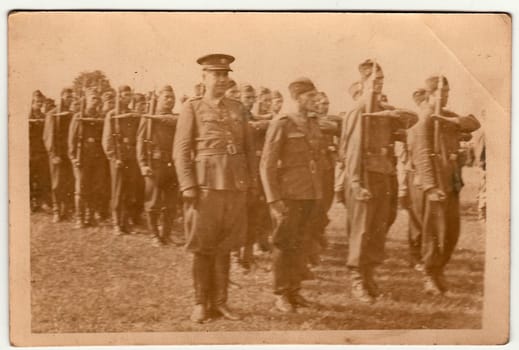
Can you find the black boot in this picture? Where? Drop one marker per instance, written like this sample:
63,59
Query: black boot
80,212
358,289
369,281
153,228
222,263
165,227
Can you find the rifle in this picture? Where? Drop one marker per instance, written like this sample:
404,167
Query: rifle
149,125
82,103
365,123
116,129
437,138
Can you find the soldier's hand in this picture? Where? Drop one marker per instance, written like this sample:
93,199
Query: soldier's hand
77,164
362,194
146,171
56,160
444,119
278,208
119,164
436,195
190,196
340,197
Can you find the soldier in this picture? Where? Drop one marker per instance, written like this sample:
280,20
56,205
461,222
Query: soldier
86,154
259,223
139,106
277,102
214,159
436,180
247,96
366,151
330,128
154,147
119,140
55,138
233,92
292,182
38,160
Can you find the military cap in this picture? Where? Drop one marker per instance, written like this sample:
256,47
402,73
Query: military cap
216,61
37,94
366,67
263,91
419,96
124,88
247,88
166,88
300,86
276,95
355,89
67,90
139,98
108,95
431,83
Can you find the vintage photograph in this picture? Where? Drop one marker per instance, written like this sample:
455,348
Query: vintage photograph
259,178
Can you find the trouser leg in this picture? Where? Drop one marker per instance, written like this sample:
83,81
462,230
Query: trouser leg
220,278
202,268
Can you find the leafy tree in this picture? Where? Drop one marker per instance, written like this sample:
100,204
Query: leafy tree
95,79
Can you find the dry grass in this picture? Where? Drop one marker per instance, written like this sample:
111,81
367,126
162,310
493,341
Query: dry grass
91,281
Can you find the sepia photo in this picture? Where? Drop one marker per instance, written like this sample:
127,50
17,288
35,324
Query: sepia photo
259,178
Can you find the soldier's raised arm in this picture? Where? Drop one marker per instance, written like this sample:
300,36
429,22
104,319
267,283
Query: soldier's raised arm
182,147
269,160
48,134
141,147
73,138
423,149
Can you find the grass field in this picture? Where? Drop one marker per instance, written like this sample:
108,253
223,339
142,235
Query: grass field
91,281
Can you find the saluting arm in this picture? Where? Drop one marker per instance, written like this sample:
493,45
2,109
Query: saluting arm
141,146
73,139
183,147
48,135
269,160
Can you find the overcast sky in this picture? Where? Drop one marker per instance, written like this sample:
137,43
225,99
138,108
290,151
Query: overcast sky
148,50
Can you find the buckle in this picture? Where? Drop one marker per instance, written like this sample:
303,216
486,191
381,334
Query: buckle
231,149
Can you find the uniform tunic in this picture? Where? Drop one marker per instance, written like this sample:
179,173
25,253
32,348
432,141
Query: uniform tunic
290,171
161,187
437,225
122,148
84,146
38,160
214,153
369,162
55,138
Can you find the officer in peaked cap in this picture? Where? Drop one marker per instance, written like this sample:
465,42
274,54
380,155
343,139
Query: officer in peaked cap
214,160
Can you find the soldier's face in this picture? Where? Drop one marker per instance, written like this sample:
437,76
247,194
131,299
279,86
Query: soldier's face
67,98
140,107
166,100
92,101
216,82
378,84
323,105
37,103
248,99
125,97
308,101
74,106
265,102
277,103
233,93
109,105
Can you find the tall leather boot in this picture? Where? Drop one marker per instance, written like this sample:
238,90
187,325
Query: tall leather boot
358,289
165,226
56,217
117,223
153,228
80,212
369,281
201,282
222,264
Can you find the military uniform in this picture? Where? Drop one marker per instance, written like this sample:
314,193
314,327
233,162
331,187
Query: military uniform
290,172
55,138
214,156
87,157
369,163
154,150
119,144
437,224
38,162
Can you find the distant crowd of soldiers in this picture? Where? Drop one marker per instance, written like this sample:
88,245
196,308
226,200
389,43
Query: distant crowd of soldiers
246,174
